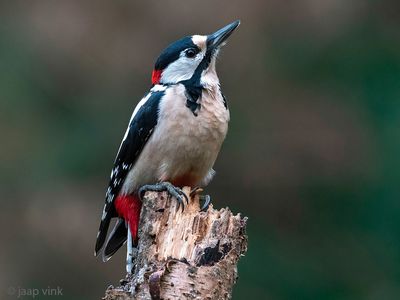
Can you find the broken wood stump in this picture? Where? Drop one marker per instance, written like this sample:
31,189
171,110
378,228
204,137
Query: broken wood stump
183,254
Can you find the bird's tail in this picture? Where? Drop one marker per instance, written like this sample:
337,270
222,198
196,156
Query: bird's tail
127,208
116,239
103,229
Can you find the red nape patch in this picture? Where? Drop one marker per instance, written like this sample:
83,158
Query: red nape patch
156,76
128,207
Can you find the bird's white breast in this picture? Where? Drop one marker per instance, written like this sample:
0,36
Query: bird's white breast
182,143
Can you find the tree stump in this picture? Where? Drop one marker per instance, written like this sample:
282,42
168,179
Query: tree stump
183,254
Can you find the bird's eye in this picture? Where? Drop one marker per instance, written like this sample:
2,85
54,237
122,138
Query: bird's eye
191,52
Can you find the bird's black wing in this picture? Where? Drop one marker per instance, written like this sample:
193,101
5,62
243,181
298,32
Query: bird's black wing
142,123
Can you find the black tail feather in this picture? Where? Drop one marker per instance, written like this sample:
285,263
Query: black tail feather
101,235
116,239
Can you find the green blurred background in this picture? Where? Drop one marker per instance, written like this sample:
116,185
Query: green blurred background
312,155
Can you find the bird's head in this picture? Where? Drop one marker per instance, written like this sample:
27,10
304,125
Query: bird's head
191,58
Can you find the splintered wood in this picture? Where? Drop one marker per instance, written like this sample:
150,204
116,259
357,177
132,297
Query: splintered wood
184,254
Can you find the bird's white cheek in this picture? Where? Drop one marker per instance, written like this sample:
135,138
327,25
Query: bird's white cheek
182,69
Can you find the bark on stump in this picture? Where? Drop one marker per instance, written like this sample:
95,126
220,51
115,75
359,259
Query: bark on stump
184,255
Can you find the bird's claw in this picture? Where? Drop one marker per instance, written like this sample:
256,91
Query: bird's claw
172,190
178,194
207,201
206,198
196,191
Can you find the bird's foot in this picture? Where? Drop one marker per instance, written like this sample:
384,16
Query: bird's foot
172,190
205,198
197,190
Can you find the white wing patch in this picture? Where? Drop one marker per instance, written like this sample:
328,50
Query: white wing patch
159,88
138,106
103,216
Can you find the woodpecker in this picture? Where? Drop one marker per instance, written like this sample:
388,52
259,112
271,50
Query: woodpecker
172,140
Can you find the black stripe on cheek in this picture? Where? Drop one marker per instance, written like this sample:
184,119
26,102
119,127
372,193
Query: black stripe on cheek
193,87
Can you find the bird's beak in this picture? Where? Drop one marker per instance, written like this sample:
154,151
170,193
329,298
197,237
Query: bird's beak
217,39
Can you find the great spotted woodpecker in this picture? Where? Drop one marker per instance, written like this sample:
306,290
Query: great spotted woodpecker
173,138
